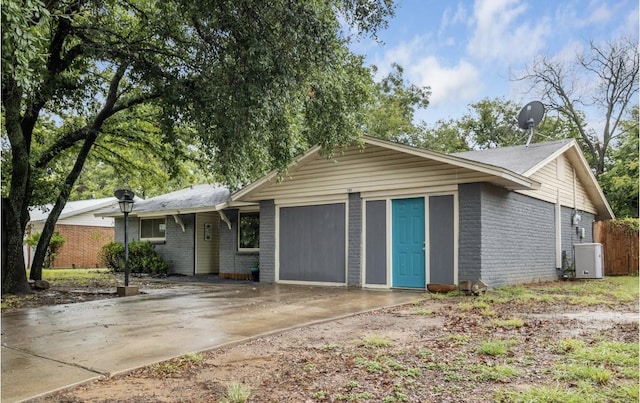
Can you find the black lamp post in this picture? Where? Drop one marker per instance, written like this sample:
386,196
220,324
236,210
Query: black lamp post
125,201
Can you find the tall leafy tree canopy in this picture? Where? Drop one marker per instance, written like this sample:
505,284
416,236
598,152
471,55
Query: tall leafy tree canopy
249,83
620,181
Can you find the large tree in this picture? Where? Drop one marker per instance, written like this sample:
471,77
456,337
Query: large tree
255,81
390,114
621,179
604,77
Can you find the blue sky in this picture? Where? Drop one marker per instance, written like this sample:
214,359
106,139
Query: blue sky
467,50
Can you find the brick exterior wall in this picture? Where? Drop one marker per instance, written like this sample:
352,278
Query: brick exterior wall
82,245
470,231
354,269
236,264
518,238
179,248
267,241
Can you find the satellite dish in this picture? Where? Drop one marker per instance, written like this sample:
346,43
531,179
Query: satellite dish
530,116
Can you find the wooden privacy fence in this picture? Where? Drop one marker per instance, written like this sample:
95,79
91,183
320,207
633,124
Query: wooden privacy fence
620,245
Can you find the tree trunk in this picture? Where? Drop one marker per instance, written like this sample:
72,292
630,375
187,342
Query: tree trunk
14,275
61,201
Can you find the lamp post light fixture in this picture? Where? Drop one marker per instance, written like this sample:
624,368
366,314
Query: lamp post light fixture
125,201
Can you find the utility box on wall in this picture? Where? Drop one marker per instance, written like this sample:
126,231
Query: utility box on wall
589,260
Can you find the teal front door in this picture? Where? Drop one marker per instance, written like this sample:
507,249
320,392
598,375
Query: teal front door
407,243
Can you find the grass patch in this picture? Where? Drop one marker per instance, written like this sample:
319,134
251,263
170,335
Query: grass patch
178,364
79,277
612,353
609,291
236,393
372,366
576,372
545,394
458,339
567,345
329,347
496,373
376,341
423,312
495,347
506,323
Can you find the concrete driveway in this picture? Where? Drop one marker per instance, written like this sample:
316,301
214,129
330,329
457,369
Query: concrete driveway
50,348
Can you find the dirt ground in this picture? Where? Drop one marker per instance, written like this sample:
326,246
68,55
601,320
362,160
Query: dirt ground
439,350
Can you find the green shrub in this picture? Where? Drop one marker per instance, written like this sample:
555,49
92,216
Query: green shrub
55,243
112,256
142,258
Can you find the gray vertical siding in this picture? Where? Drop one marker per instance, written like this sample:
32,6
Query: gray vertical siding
376,247
518,238
441,239
267,241
312,243
354,269
470,231
232,261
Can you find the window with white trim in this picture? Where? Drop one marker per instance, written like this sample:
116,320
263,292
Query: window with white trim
153,228
248,231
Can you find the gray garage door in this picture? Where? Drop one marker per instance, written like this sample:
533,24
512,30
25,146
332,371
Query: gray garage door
312,243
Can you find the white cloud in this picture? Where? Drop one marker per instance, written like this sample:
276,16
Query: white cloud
449,85
505,30
404,54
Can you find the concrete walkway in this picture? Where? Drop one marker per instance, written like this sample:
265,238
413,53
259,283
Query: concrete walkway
50,348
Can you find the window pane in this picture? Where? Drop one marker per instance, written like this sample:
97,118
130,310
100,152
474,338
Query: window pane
153,228
249,231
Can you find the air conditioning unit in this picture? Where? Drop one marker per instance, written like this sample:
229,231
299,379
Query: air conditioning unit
589,260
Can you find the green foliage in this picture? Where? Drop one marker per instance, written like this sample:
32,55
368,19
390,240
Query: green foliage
391,113
495,347
497,373
79,277
443,137
236,393
143,258
577,372
111,256
376,341
177,364
620,181
134,88
55,243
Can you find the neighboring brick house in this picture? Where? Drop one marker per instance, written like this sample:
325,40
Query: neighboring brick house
84,233
386,215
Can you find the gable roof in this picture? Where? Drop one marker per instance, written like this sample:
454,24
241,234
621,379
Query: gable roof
509,167
196,198
71,209
519,158
501,176
529,160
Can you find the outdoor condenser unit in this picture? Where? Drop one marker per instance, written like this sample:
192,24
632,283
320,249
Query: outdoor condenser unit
589,260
